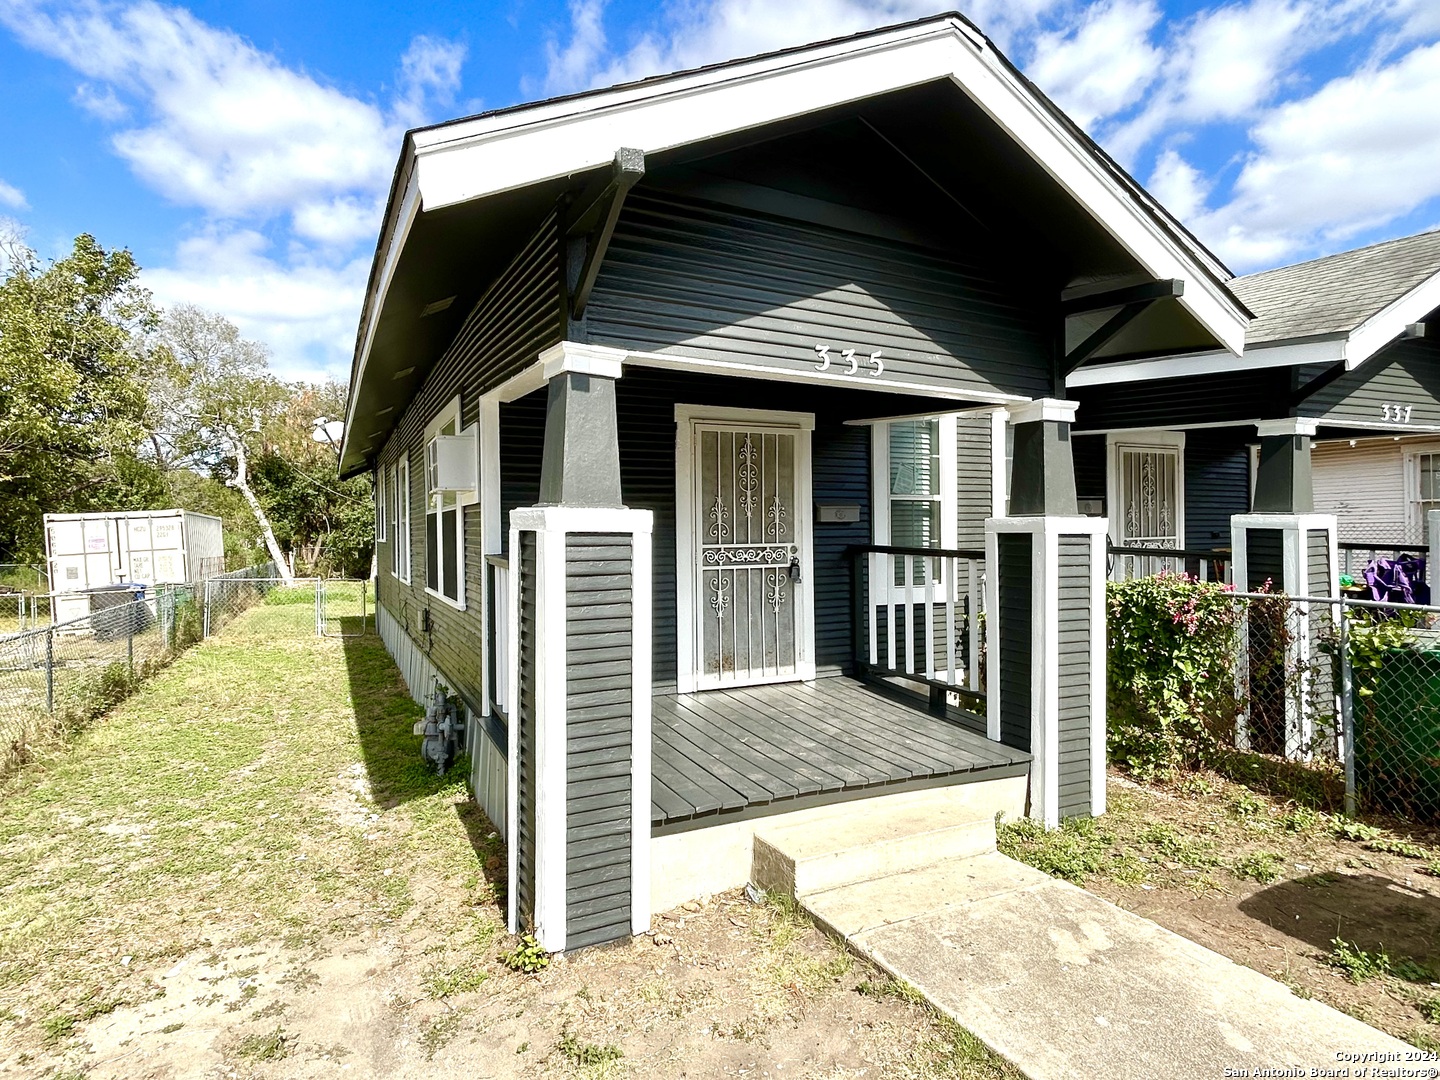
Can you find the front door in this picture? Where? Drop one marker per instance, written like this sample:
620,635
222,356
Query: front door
749,553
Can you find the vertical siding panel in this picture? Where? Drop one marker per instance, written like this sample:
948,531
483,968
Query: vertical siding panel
1014,637
1074,675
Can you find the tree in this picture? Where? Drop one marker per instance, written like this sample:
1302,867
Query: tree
328,522
72,404
212,398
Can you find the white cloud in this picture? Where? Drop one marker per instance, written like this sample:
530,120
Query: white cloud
304,309
1064,62
429,71
1360,152
707,31
102,103
12,196
1180,187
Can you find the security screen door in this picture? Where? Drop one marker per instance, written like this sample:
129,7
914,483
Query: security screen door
748,604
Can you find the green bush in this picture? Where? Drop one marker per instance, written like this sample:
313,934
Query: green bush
1171,654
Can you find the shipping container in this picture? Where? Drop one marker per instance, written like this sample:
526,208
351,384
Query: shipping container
86,552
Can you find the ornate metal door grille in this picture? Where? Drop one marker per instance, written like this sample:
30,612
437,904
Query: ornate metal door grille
747,600
1149,504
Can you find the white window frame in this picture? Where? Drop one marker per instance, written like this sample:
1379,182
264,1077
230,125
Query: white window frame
1118,442
435,502
947,497
400,549
1415,523
382,503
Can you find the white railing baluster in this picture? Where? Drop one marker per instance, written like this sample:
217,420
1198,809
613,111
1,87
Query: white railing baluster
930,568
909,615
973,625
950,583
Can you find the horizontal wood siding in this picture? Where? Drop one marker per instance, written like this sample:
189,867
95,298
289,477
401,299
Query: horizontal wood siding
972,479
1217,483
516,319
1317,559
1088,453
1407,374
688,279
526,797
1013,637
1075,659
599,701
1364,487
1199,399
1264,559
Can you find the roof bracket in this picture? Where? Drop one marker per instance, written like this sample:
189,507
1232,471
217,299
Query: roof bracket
1131,301
595,223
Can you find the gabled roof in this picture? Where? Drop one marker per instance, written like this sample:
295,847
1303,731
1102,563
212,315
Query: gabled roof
1339,308
501,157
1336,294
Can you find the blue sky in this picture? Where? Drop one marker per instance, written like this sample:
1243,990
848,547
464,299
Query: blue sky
243,150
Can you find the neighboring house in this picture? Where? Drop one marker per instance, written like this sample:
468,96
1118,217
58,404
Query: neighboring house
1344,350
689,403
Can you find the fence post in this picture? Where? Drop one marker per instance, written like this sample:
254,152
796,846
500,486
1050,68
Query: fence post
205,619
1347,711
50,669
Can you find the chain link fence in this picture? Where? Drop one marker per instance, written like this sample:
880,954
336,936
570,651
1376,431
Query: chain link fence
1345,687
56,677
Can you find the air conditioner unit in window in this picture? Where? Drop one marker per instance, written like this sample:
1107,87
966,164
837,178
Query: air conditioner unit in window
450,462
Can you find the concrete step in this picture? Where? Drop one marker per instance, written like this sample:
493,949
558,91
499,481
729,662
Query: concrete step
805,859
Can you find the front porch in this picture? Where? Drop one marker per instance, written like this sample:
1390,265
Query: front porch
727,755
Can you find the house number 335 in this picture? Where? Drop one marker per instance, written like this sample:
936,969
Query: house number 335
850,360
1396,414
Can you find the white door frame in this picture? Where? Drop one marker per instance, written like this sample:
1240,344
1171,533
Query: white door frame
1117,442
687,523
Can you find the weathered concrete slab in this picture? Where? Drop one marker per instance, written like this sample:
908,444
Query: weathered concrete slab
1066,985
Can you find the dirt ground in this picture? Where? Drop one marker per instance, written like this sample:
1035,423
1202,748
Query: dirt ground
244,871
1274,885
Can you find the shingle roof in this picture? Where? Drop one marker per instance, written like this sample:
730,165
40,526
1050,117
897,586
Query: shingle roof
1334,295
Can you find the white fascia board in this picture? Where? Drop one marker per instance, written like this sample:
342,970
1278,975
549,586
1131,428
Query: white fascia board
490,155
409,210
1323,351
583,132
1389,322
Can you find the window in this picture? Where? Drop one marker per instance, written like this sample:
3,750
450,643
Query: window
1426,471
382,499
444,505
915,489
399,489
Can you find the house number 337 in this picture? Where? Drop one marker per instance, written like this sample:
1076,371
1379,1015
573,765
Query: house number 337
850,360
1396,414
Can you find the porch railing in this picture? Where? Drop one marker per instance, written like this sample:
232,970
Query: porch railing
1355,556
1134,561
497,574
918,616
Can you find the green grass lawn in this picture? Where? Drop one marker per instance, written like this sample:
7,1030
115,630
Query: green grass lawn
266,786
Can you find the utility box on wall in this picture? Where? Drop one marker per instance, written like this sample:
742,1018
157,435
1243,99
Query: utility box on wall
85,552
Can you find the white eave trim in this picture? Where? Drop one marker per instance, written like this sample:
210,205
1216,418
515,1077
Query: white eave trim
1327,351
1389,322
489,155
409,210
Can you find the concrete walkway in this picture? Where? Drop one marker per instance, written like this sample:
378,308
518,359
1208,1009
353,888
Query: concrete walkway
1065,984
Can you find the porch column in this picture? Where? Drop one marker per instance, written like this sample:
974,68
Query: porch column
579,760
1282,542
1045,625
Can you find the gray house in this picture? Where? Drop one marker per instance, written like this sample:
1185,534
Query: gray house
688,402
1342,361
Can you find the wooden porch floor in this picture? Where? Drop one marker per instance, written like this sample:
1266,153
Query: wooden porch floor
726,752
